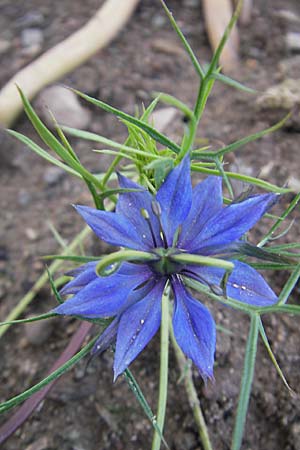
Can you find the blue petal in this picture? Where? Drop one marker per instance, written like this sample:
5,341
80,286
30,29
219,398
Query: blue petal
245,284
138,324
207,201
175,198
113,228
83,275
105,296
106,338
232,222
194,330
130,205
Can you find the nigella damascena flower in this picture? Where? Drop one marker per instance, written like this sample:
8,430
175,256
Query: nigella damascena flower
177,221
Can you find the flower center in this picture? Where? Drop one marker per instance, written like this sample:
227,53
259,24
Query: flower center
165,265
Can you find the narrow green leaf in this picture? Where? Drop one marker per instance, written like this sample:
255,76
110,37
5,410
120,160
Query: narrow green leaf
272,356
59,239
41,152
134,386
287,309
289,286
53,287
281,248
277,224
173,101
149,110
63,138
162,139
244,178
233,83
30,319
75,258
242,142
110,192
224,176
53,142
127,152
246,382
185,43
89,136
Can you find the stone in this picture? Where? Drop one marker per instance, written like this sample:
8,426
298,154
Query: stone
287,16
290,67
192,3
53,175
64,105
24,198
31,234
292,41
4,46
37,333
159,21
285,95
163,117
167,47
32,40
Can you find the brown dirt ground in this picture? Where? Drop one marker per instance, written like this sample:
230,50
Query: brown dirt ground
87,411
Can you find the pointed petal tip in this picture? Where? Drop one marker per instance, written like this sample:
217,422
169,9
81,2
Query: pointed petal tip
117,373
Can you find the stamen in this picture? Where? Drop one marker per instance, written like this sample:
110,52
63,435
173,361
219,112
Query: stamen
157,212
176,236
215,289
146,216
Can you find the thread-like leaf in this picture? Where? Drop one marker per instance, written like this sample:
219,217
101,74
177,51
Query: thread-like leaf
159,137
246,382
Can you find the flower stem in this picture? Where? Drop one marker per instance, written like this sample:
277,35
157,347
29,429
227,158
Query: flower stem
163,376
191,393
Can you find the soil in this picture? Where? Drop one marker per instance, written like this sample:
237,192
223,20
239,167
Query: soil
85,410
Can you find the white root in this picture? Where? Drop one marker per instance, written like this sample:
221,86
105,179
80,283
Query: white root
65,57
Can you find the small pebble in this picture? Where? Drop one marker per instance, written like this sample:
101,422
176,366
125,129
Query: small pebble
4,46
192,3
31,234
24,197
53,175
288,16
38,332
32,41
65,107
158,21
292,41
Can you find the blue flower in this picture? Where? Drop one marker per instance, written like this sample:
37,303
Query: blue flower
178,220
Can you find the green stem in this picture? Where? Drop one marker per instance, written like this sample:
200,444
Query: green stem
163,376
191,393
